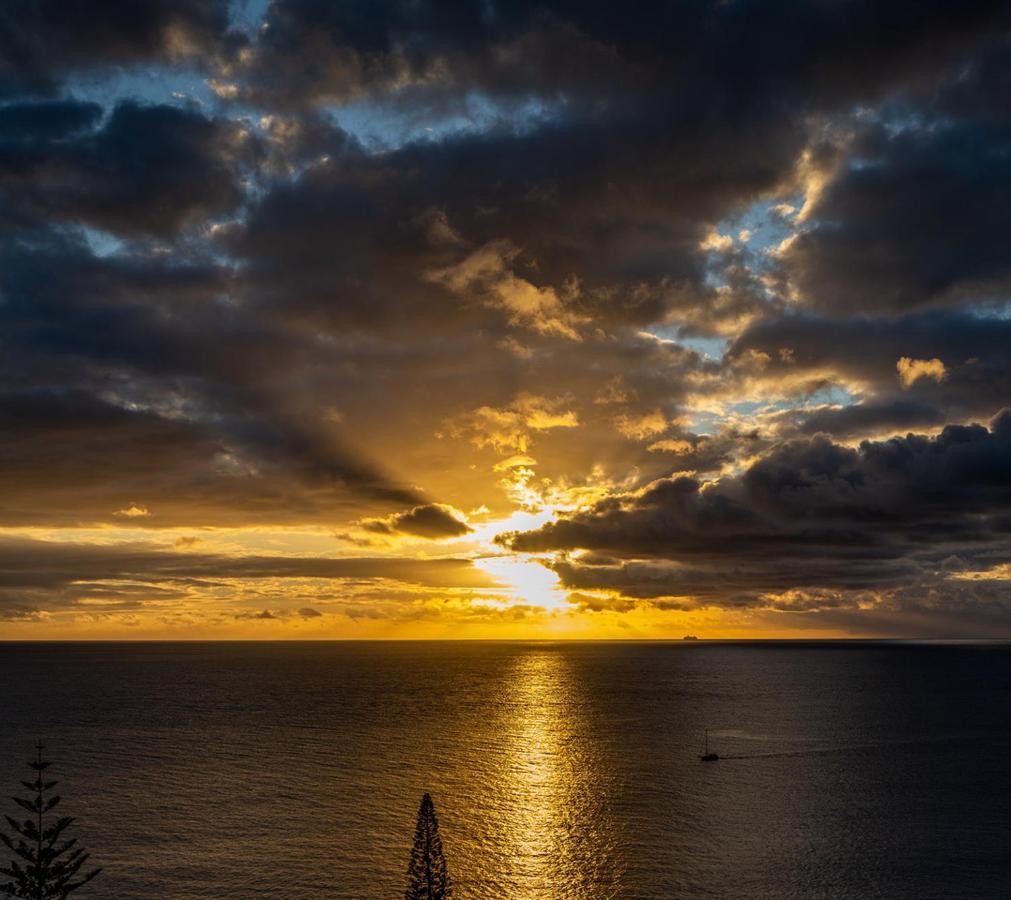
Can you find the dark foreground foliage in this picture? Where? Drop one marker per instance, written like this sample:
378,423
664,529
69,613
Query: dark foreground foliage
46,865
427,875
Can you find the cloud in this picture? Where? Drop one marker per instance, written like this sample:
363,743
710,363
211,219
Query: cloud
890,232
430,521
642,427
264,614
486,273
588,50
133,511
511,428
809,515
716,241
54,164
871,418
602,201
369,265
860,353
58,565
192,471
43,41
46,120
911,370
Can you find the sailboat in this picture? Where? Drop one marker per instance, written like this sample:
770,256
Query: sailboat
707,756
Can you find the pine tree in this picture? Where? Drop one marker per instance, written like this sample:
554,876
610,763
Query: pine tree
51,864
427,876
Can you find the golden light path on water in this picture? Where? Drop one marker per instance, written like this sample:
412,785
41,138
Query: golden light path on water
535,754
553,782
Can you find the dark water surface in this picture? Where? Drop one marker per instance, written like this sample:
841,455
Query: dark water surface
558,770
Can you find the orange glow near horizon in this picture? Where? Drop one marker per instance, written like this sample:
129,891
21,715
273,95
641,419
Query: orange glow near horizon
499,595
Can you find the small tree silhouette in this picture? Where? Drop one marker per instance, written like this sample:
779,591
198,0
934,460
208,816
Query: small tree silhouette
427,876
52,863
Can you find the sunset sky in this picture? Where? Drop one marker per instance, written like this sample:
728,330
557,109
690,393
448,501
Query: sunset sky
505,319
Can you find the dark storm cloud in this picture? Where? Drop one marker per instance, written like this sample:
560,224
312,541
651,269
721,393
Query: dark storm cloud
41,41
69,458
865,347
355,48
708,453
917,219
440,234
889,415
148,170
915,215
616,193
866,351
429,521
46,120
140,366
809,514
314,50
360,236
61,298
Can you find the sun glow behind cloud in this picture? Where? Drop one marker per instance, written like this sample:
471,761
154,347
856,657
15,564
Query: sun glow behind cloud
529,581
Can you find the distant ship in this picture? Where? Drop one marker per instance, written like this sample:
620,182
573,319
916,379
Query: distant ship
689,637
707,756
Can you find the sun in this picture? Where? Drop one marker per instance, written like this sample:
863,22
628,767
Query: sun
527,580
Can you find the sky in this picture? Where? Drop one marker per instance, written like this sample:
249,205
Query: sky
505,320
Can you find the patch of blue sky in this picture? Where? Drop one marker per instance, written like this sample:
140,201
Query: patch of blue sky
247,15
710,347
761,226
714,277
905,121
379,124
753,233
832,395
704,423
154,85
997,308
748,407
388,124
188,249
101,243
898,117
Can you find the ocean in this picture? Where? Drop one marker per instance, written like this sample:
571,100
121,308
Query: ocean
558,770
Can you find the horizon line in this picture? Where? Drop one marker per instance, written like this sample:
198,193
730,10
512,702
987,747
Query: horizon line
546,640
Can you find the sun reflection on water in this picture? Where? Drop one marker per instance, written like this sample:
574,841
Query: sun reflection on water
556,811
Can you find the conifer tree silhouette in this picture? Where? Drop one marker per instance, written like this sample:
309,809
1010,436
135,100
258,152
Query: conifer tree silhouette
51,864
427,876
